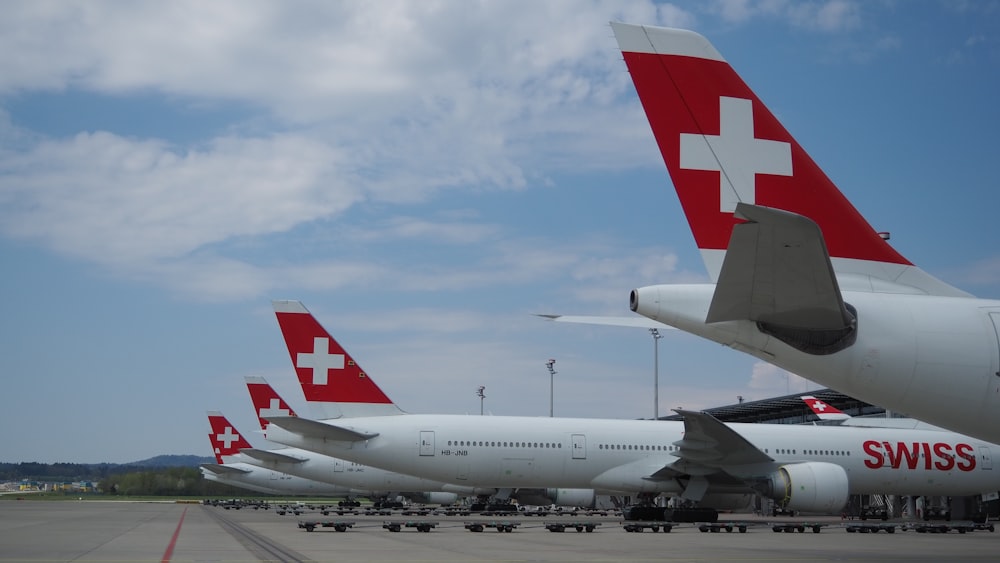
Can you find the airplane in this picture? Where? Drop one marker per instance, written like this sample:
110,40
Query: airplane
381,484
799,277
700,460
231,469
220,473
829,414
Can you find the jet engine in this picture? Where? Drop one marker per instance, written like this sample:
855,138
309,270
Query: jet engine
582,498
809,487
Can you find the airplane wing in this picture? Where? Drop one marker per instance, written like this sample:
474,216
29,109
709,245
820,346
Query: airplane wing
637,321
709,454
710,444
777,270
270,456
315,429
220,469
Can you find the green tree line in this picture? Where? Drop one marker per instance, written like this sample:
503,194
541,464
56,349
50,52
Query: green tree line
172,481
60,472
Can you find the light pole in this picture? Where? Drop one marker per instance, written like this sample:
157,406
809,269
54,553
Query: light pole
482,395
552,372
656,372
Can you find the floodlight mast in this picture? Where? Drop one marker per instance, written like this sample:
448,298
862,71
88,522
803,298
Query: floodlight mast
656,372
552,372
481,393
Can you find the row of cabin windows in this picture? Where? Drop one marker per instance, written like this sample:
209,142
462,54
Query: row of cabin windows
786,451
504,444
633,447
645,447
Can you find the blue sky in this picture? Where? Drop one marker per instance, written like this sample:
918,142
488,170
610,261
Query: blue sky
424,177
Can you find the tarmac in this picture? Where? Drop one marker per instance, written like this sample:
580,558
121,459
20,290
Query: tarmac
115,531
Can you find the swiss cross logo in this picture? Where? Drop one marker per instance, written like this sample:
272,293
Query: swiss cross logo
227,437
819,406
736,154
320,360
274,409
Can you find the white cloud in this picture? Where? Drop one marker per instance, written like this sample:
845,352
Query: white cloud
381,103
397,228
769,380
317,59
116,201
828,15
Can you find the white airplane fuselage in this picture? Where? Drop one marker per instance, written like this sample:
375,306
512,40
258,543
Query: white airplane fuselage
250,486
353,475
273,482
932,357
622,455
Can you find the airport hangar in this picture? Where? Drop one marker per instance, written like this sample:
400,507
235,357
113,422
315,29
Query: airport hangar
791,409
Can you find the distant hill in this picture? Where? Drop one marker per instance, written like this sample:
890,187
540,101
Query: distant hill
173,461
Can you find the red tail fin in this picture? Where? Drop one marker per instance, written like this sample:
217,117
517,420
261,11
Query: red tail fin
823,410
226,441
722,145
326,372
266,401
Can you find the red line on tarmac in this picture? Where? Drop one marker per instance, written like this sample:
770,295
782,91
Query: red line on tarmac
173,541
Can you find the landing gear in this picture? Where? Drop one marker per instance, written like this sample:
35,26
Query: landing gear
645,510
692,514
500,504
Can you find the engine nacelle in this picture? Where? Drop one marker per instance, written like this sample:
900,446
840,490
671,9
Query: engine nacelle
444,499
810,487
582,498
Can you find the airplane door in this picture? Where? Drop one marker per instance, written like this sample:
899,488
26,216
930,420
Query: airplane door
995,317
338,466
579,446
994,382
426,442
985,460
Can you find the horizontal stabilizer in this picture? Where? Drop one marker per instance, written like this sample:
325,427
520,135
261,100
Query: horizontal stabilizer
777,271
270,456
321,430
635,321
220,469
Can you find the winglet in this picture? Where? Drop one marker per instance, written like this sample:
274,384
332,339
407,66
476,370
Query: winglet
329,376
